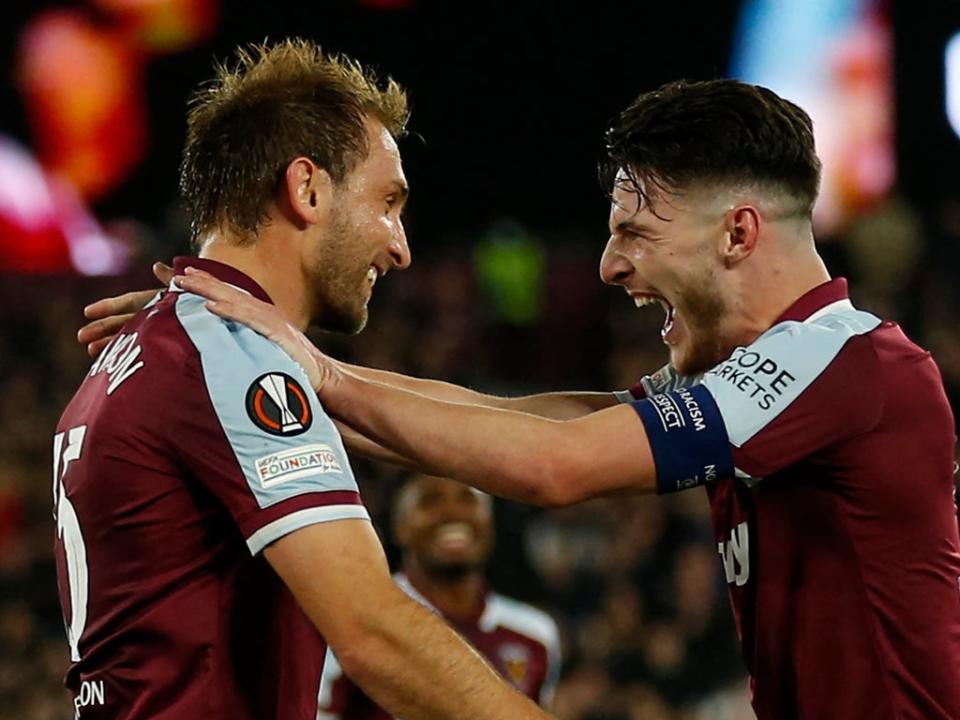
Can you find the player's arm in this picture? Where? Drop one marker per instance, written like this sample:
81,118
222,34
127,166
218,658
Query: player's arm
512,467
404,657
507,453
556,405
358,444
560,405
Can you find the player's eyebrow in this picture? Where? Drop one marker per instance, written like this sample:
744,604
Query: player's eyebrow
401,188
633,227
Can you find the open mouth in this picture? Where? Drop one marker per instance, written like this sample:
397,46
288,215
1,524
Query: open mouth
454,535
372,275
669,311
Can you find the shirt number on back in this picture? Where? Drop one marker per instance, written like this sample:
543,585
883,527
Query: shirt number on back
68,531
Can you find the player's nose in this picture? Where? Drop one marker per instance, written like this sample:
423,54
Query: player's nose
615,269
399,251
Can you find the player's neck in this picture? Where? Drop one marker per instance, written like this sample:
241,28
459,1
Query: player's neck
459,598
767,294
278,273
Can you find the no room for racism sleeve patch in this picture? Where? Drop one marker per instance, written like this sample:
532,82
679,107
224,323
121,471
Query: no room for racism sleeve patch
277,404
687,437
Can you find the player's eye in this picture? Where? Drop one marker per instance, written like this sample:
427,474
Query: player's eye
639,237
429,500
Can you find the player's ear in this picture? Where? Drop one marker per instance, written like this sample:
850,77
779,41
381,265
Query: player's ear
306,191
742,226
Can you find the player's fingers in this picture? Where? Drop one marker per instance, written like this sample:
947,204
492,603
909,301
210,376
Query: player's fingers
103,308
96,347
202,283
242,313
127,303
222,308
102,328
163,272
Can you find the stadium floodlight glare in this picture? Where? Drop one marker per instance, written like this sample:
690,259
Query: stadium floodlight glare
952,74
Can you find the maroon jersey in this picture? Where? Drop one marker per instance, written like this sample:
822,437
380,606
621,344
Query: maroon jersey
521,642
191,445
827,447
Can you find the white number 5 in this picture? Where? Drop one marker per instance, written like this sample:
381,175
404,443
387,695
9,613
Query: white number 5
68,528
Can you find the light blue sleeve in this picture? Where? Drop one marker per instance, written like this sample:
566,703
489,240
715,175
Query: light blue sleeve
283,441
757,383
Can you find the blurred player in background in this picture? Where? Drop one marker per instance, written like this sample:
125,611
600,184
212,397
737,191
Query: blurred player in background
208,521
822,434
445,530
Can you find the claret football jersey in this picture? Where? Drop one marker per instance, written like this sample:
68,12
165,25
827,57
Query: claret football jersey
827,450
192,444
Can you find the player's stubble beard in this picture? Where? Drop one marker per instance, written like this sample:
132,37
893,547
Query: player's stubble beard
338,276
703,308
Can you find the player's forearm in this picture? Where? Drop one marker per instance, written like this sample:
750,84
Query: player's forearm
506,453
411,663
407,659
358,444
561,405
555,405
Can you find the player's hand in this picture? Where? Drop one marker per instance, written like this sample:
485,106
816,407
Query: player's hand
231,303
666,379
107,316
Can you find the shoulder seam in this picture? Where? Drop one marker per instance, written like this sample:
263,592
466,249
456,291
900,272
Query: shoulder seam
537,624
868,339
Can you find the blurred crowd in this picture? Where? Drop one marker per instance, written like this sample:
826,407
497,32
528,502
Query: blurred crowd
635,584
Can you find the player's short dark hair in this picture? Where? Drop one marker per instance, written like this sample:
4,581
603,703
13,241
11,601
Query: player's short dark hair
715,131
275,103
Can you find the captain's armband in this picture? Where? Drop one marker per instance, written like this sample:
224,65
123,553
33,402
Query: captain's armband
687,437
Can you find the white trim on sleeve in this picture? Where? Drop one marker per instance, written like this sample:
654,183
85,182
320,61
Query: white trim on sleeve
301,518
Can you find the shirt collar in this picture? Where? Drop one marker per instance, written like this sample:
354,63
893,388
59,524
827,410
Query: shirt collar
808,304
222,272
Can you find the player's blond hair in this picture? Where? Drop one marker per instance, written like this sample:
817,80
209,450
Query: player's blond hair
275,103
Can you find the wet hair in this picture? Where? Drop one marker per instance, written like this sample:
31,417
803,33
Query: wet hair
713,132
273,104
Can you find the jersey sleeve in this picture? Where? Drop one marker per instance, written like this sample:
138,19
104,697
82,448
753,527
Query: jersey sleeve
252,431
334,690
797,389
554,659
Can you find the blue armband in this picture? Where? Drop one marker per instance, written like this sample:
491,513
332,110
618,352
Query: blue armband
687,437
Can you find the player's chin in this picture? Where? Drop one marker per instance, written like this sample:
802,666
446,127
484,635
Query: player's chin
687,358
454,556
679,358
345,320
467,557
